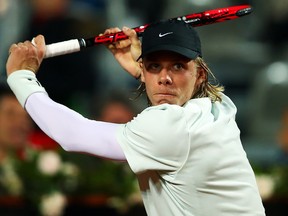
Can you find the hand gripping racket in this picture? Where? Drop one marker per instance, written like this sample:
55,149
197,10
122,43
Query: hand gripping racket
195,19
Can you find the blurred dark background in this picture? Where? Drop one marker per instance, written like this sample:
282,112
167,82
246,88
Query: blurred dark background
249,56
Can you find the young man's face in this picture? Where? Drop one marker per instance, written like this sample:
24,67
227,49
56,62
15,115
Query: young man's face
170,78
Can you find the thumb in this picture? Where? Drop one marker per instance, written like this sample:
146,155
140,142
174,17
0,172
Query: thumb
135,42
39,42
131,33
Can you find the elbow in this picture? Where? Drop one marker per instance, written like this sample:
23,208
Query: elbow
67,143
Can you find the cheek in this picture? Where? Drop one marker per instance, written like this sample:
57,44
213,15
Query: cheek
189,85
149,81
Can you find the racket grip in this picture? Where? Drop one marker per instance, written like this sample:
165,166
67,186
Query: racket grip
62,48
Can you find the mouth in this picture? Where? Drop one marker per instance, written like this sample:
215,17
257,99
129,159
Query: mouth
164,97
165,94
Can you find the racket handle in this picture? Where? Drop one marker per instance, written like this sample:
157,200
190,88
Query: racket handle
76,45
64,47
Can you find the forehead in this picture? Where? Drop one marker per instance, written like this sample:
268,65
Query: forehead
165,56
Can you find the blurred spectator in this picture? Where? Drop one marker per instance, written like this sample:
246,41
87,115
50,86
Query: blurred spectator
117,112
15,128
58,22
15,124
115,108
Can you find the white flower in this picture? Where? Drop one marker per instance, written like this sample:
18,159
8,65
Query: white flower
53,204
49,162
266,185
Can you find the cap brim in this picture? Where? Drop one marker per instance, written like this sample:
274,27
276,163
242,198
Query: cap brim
173,48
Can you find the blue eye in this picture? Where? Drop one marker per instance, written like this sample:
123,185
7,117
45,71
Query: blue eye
153,67
178,66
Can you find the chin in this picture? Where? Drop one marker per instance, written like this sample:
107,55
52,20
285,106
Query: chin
165,102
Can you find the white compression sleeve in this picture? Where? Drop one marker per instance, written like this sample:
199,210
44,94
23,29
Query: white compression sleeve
73,131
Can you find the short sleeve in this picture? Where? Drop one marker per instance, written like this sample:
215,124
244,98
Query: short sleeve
157,139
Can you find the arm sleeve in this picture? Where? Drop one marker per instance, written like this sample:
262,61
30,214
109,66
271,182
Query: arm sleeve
73,131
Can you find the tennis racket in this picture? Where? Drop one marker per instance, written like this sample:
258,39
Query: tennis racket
195,19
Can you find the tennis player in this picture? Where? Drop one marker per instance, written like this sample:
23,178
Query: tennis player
185,147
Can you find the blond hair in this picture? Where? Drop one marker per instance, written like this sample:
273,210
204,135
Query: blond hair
210,87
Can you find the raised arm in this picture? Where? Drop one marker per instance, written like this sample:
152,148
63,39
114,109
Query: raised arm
71,130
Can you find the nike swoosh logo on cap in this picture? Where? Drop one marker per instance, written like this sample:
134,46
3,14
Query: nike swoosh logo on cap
163,35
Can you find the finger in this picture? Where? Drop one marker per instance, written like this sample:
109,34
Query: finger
135,42
112,30
41,45
111,46
40,40
12,47
20,44
28,43
131,33
122,44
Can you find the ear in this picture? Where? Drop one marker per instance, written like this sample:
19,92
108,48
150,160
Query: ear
142,78
202,75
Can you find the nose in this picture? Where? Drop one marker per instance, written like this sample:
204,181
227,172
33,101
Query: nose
165,77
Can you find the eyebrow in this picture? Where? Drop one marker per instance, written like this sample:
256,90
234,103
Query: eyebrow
175,60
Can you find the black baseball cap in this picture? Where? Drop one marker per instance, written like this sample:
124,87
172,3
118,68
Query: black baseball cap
171,35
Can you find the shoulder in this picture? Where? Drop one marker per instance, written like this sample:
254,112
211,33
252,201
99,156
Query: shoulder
162,114
162,118
160,124
226,107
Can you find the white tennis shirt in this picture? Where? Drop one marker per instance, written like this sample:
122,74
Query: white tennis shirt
189,160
